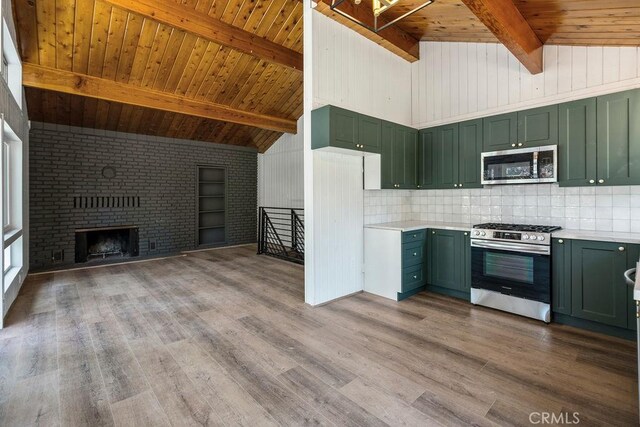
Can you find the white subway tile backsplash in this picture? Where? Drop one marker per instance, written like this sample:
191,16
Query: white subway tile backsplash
587,208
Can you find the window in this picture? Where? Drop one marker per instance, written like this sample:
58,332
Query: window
7,259
11,67
11,176
6,186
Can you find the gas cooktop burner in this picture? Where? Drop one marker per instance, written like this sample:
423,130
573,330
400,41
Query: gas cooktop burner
519,227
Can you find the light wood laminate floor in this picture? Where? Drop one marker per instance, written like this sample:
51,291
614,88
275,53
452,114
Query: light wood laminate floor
224,338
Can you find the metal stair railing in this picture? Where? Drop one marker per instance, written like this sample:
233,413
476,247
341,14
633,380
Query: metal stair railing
281,233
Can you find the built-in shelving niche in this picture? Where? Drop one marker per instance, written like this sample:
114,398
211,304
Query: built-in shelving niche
211,206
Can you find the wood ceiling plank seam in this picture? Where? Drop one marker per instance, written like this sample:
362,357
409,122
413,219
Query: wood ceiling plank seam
188,126
209,78
289,24
263,98
231,11
205,128
244,12
257,18
125,118
48,108
223,74
168,59
196,60
144,126
76,107
27,30
130,42
264,80
295,100
265,145
204,70
83,28
65,21
136,117
283,95
241,72
102,114
46,33
170,127
34,103
223,135
214,131
143,51
157,52
294,34
113,118
203,6
90,106
180,62
250,82
99,36
114,43
279,21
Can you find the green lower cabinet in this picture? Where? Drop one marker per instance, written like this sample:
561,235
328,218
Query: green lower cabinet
561,276
414,261
446,254
599,292
413,278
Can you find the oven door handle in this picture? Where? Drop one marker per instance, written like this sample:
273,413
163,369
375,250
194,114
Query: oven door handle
512,247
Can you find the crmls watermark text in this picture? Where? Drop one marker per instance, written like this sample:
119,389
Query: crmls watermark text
562,418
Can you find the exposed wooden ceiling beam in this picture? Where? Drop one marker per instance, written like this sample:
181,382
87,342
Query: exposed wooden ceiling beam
178,16
393,38
506,22
40,77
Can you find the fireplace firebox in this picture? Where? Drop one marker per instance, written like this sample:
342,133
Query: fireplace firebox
109,242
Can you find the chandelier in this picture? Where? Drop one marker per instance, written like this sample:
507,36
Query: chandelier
378,7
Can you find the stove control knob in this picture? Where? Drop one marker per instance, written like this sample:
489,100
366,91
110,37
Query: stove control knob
533,237
482,233
541,238
525,237
476,233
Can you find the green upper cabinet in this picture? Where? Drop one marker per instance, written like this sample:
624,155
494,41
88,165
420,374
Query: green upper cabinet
522,129
500,132
370,133
388,132
405,158
446,155
538,126
469,150
599,291
577,143
561,276
619,138
426,159
339,128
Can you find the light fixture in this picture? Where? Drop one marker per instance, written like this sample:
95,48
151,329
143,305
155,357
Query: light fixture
378,7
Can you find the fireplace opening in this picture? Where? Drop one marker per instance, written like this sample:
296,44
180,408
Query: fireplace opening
106,243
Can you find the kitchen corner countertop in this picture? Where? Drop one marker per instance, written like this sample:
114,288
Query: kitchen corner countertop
601,236
419,225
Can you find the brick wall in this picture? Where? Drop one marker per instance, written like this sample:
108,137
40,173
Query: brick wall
67,162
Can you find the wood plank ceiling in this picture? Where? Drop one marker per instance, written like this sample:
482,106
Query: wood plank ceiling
94,38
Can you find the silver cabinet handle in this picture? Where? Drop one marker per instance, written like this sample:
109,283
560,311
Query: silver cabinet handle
415,235
418,186
560,241
621,248
415,277
592,181
601,181
520,144
455,185
415,254
466,234
459,185
513,145
433,232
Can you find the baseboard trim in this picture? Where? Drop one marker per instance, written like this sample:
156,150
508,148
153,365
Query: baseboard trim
588,325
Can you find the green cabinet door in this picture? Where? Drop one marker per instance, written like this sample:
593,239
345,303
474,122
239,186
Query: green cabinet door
445,254
426,159
344,128
598,290
538,126
469,151
387,146
561,276
405,158
577,143
446,154
618,136
369,133
500,132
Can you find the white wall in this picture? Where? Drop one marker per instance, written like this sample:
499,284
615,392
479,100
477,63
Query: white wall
345,69
281,172
459,81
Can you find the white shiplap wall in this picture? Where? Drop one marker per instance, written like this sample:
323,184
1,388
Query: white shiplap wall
347,70
459,81
281,172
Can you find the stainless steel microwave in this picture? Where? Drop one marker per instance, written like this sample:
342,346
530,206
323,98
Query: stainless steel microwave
520,166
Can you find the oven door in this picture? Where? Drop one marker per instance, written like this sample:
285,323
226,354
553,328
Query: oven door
515,269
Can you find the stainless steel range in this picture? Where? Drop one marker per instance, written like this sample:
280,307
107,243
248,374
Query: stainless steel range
511,268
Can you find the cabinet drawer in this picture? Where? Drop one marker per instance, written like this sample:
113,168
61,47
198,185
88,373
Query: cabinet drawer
412,254
413,236
413,277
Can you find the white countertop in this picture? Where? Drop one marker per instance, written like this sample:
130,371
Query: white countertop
419,225
602,236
